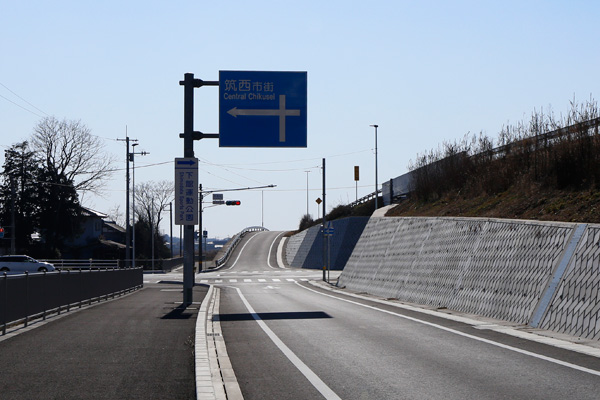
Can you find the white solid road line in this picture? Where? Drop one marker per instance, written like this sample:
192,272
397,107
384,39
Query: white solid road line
306,371
280,263
271,249
497,344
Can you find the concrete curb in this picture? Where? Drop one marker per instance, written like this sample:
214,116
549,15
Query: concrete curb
204,383
215,378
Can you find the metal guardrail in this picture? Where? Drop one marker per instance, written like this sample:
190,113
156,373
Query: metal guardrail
234,242
160,264
24,297
364,199
86,264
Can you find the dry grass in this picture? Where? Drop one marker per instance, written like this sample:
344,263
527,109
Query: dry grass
520,201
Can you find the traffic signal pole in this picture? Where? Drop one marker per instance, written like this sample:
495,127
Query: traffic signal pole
189,135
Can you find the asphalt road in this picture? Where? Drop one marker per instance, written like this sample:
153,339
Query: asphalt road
288,339
136,347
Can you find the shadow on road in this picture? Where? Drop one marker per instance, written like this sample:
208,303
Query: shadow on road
272,316
179,313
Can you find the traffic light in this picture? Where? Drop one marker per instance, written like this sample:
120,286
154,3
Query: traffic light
233,203
1,232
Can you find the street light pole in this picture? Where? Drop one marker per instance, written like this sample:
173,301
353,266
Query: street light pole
132,159
307,212
376,178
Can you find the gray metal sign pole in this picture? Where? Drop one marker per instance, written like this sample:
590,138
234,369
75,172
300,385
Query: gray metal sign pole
189,83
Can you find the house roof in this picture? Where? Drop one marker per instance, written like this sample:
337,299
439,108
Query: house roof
88,212
111,243
113,225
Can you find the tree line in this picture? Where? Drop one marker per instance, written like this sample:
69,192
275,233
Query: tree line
40,183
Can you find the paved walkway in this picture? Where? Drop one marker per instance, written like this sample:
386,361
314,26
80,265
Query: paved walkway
136,347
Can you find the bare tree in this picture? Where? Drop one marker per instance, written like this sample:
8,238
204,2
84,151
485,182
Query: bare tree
117,215
69,149
151,200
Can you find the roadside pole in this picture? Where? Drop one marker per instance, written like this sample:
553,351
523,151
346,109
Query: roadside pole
188,151
189,135
324,226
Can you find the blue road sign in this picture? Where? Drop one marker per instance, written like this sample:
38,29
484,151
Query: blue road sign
262,109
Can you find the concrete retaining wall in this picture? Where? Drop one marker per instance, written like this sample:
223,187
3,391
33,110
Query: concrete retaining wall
526,272
305,249
575,305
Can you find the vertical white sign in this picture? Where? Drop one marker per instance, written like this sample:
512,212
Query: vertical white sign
186,191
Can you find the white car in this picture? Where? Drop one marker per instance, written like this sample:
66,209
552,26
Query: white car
23,263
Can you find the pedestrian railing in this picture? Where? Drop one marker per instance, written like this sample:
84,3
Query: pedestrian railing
28,296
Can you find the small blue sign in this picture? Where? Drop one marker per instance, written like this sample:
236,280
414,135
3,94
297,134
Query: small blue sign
262,109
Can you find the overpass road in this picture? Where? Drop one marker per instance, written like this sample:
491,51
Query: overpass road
288,338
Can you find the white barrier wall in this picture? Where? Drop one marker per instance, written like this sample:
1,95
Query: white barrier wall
503,269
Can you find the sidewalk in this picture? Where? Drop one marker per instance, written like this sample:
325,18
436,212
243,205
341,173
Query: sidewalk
136,347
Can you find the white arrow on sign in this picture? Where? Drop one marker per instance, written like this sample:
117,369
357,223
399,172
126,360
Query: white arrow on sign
280,112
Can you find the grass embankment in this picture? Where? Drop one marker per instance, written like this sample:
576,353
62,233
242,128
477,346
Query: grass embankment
517,202
545,169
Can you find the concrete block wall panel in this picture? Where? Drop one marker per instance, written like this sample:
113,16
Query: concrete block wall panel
305,249
310,254
292,246
493,268
347,231
575,307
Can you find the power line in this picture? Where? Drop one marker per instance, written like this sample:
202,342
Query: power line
42,111
18,105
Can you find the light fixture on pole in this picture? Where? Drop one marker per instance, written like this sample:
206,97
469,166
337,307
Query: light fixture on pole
376,180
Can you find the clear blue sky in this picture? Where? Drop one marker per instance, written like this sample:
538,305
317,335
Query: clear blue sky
424,71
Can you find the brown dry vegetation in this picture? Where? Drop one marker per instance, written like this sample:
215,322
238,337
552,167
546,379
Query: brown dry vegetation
520,201
545,169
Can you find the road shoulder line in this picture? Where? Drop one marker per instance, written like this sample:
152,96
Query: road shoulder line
478,324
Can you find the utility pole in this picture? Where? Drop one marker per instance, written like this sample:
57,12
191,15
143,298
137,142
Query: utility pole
127,219
13,223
